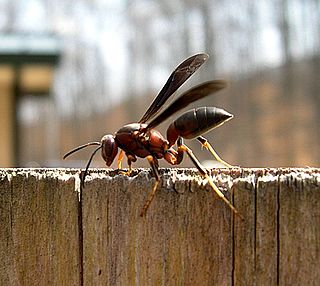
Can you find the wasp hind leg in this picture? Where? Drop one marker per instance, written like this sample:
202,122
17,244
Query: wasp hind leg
204,173
205,143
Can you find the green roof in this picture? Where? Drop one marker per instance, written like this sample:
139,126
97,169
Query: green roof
29,48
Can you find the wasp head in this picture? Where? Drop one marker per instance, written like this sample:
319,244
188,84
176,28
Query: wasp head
109,148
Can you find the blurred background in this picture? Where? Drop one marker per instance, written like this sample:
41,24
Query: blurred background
72,71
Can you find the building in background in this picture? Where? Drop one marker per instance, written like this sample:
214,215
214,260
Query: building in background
27,64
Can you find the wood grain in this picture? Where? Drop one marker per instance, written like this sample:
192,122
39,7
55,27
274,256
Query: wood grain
39,234
299,229
54,234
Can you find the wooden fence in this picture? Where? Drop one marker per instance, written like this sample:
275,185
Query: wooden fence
54,234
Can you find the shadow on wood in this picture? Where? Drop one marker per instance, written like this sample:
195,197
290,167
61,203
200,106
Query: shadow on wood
52,233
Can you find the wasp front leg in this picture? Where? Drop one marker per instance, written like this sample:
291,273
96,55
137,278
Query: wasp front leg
130,159
120,157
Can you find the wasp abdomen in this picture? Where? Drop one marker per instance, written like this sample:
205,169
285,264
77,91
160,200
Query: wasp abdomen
196,122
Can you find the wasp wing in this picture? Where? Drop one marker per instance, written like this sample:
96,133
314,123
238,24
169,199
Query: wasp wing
176,79
192,95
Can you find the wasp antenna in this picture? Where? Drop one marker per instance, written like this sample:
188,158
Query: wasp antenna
80,147
88,164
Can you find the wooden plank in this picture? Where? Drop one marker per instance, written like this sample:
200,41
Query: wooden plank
266,225
39,238
6,264
278,241
299,228
189,237
244,239
185,239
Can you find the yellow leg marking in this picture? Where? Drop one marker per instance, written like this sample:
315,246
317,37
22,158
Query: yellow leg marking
214,153
120,157
149,200
126,173
129,170
205,174
152,163
221,195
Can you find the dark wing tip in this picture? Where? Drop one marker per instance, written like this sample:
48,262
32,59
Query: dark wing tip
199,59
204,56
181,73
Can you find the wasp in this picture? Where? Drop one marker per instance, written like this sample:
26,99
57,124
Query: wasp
142,140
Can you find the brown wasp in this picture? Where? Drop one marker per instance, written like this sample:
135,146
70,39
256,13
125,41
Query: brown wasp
142,140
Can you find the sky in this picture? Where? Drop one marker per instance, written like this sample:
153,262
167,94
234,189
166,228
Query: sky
103,27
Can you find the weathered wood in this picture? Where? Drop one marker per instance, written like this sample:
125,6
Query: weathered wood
244,231
189,237
184,239
299,229
39,229
267,229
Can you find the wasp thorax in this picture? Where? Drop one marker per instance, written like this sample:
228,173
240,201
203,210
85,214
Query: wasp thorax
109,149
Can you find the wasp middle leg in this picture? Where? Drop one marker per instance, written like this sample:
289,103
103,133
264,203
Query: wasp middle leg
154,165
